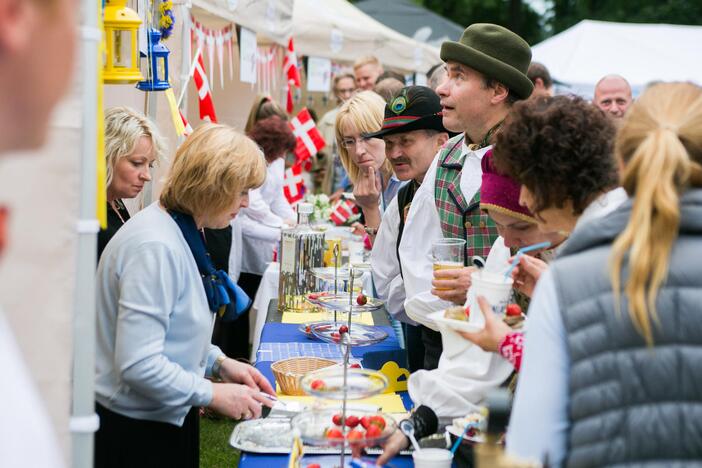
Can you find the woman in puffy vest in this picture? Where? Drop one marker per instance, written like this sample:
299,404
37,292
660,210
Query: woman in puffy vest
613,354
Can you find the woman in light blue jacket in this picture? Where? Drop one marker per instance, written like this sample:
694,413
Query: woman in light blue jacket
157,296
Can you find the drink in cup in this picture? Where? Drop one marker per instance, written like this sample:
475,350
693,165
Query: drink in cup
432,458
448,254
494,287
331,243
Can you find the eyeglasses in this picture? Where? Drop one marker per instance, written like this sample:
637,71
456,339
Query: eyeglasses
349,143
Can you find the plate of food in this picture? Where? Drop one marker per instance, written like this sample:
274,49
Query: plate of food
327,427
357,335
457,318
306,328
476,428
359,301
263,436
329,383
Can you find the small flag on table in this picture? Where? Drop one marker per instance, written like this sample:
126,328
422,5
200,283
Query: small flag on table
294,185
345,211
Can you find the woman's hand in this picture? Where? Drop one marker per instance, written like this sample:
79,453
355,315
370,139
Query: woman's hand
452,285
494,333
527,273
237,401
241,373
397,442
366,190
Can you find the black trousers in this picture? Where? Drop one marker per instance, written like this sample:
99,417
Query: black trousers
432,347
415,347
123,442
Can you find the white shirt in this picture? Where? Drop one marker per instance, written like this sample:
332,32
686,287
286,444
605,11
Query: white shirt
466,373
235,252
262,220
27,437
386,267
421,229
154,325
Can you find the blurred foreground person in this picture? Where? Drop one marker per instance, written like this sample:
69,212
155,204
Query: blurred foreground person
29,95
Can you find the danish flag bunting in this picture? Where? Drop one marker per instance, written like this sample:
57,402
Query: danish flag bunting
290,65
207,110
188,128
294,185
344,211
309,140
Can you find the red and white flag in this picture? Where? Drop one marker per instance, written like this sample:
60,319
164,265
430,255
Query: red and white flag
294,184
344,211
186,125
290,65
289,102
309,140
207,110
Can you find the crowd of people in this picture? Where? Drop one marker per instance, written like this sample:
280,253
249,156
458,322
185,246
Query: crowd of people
604,369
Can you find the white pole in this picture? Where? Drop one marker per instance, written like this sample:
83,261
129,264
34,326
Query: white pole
84,421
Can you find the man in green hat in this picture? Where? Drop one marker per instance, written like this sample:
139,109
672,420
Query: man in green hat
487,73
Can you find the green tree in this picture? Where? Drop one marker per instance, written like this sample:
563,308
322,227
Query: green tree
566,13
516,15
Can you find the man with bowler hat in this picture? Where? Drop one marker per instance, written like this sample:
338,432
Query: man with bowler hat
413,133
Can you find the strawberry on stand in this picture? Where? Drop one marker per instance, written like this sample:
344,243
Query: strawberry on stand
513,315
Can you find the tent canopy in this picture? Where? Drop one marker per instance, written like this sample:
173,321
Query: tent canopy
337,30
412,20
271,19
641,53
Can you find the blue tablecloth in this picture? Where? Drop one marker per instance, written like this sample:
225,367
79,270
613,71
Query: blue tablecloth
281,339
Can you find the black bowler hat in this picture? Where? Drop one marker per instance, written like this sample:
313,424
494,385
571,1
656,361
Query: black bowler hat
413,108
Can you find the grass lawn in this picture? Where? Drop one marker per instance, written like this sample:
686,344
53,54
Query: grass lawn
215,451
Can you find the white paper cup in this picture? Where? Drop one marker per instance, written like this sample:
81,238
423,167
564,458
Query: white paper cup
432,458
355,248
495,288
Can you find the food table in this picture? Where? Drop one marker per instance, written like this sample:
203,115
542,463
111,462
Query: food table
281,340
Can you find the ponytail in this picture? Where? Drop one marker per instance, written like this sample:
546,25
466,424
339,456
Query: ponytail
660,146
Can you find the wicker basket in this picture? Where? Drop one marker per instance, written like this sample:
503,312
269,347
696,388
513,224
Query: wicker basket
288,372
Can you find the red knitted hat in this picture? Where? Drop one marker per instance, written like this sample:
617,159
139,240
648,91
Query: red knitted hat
500,192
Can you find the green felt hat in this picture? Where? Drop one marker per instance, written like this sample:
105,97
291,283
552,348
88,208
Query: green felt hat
494,51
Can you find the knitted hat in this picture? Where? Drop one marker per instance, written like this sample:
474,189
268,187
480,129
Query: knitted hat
500,192
494,51
414,108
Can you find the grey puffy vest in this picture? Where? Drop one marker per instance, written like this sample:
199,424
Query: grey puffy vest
631,405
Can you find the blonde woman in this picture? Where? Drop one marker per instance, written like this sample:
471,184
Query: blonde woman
132,146
157,296
375,185
612,353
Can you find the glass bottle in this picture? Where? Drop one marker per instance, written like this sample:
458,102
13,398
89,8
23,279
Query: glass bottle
301,249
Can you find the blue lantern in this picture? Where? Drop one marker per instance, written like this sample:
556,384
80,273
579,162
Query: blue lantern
158,64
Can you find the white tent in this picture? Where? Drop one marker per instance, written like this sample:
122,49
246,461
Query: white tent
338,30
641,53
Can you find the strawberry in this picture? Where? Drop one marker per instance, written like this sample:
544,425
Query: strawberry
335,336
343,329
355,365
317,384
308,329
313,296
352,421
373,431
361,300
314,465
467,311
336,419
333,434
377,420
513,310
354,435
365,422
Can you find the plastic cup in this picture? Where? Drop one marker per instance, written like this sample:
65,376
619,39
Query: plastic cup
432,458
355,247
495,288
448,254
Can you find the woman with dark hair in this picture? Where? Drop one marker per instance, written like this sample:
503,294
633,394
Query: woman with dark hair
268,209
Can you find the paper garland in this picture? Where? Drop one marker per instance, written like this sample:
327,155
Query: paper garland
213,42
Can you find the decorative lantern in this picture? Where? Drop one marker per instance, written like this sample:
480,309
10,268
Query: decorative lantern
158,64
121,28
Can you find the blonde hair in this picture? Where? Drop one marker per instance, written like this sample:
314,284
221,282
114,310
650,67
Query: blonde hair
211,169
123,129
660,146
263,107
365,112
366,60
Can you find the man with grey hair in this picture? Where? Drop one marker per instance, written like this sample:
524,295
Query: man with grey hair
613,96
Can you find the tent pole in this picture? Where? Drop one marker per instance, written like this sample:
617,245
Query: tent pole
84,422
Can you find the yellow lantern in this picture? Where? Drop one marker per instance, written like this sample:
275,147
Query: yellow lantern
122,59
